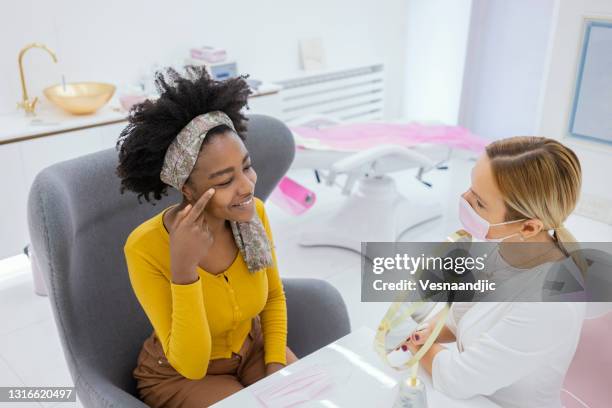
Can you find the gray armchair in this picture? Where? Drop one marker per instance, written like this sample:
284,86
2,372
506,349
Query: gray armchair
78,223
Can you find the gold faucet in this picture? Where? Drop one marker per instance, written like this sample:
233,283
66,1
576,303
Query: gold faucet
27,104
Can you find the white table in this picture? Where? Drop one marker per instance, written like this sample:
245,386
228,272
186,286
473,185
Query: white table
360,379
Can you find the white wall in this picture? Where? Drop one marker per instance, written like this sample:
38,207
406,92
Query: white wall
117,41
520,77
436,43
506,66
558,89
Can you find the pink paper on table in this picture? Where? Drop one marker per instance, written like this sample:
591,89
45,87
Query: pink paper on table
294,389
359,136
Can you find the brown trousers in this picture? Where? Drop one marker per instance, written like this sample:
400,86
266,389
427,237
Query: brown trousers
161,386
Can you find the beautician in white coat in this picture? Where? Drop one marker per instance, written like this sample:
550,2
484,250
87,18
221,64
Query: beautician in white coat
517,354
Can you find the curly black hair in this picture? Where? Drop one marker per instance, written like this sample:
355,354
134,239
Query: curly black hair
153,125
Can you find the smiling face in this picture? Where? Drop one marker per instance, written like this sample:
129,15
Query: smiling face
487,200
225,165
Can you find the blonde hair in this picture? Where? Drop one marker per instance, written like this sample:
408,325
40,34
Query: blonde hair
539,178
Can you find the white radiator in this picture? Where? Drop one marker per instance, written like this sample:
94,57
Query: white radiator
355,94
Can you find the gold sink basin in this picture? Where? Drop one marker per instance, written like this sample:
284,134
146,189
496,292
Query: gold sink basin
80,98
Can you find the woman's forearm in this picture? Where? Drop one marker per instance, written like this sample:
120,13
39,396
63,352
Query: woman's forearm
427,361
446,335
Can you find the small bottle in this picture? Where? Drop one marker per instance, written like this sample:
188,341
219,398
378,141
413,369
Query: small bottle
411,394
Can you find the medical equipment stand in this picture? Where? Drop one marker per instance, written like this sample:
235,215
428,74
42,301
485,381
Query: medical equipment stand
376,211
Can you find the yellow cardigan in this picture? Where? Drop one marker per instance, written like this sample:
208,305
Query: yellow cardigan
211,317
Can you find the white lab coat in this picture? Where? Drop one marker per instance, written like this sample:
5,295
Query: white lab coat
517,354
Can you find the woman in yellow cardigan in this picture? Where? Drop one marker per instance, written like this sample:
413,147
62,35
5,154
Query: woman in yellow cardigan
204,270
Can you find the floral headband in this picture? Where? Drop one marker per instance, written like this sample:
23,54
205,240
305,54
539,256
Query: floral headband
183,152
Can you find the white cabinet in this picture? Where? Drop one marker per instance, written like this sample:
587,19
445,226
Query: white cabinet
20,163
13,226
110,134
40,153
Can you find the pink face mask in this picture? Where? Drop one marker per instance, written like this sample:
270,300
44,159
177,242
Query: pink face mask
477,226
294,389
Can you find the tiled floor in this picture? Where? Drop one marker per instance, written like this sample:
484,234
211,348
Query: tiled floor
30,350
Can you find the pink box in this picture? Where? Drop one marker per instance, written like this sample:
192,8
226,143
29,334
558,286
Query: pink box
209,54
292,196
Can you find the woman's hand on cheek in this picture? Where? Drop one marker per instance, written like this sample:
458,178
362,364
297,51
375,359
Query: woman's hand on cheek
190,237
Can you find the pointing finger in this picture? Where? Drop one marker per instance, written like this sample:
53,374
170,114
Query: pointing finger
200,205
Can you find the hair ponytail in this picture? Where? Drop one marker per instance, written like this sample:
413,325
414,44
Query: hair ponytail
567,243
